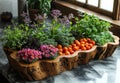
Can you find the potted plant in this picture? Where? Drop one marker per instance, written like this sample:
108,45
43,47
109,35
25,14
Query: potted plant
6,16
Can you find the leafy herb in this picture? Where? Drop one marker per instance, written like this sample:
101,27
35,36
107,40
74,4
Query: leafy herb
102,38
13,38
93,27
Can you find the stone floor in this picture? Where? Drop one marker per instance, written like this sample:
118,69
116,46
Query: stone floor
97,71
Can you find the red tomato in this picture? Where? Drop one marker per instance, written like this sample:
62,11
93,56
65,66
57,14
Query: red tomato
65,49
82,42
69,48
91,45
87,47
73,45
85,40
60,53
82,45
93,42
59,46
88,39
71,51
67,52
83,48
60,50
76,48
78,43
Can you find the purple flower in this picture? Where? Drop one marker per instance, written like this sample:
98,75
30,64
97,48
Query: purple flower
65,20
27,20
24,14
48,51
56,13
32,25
43,47
40,18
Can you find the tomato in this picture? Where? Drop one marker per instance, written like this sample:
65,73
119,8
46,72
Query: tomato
60,53
65,49
91,45
77,43
88,39
69,48
76,48
82,42
67,52
83,48
73,45
85,40
71,51
59,46
87,47
93,42
86,43
82,45
60,50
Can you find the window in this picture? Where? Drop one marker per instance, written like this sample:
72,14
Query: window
100,4
81,1
110,8
93,2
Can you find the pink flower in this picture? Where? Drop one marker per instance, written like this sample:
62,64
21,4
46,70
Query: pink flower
48,51
28,55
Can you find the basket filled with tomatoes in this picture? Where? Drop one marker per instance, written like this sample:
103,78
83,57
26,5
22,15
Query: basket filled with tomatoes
84,49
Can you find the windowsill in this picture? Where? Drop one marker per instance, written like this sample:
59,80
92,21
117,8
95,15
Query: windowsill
75,7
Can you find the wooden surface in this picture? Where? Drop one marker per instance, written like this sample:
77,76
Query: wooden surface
45,68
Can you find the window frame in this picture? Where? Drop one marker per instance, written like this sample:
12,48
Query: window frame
114,14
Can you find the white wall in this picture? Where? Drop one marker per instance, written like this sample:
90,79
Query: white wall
9,5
